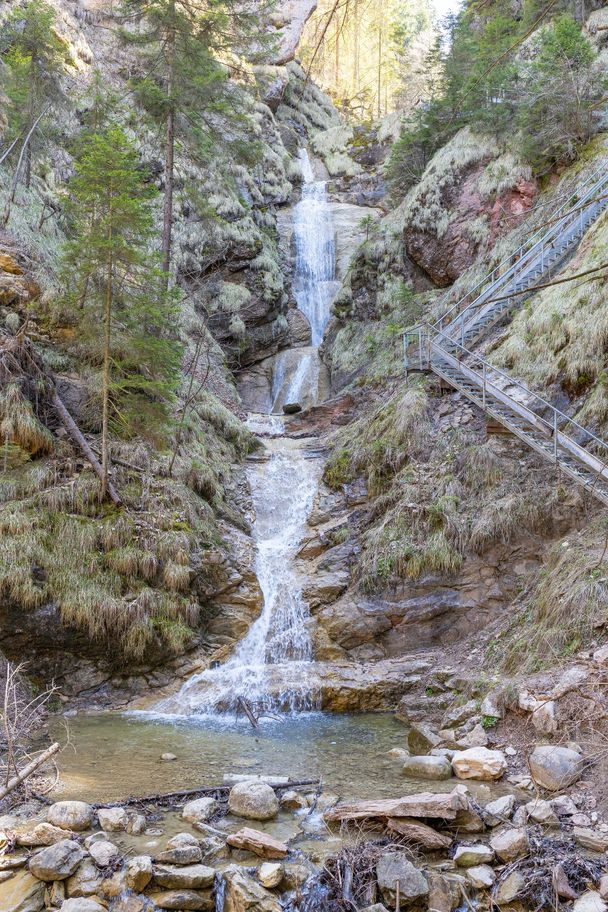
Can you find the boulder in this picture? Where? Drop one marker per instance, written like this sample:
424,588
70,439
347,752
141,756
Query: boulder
590,901
259,843
477,737
479,763
40,834
57,862
445,891
253,800
139,872
293,801
427,767
510,844
481,877
244,894
183,849
470,856
84,881
509,889
184,877
445,806
103,853
422,738
181,900
200,810
113,820
553,767
396,866
270,874
22,893
71,815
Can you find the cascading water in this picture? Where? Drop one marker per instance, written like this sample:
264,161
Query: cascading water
271,664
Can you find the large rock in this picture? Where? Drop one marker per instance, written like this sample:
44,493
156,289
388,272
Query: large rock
510,844
499,810
244,894
422,738
182,901
103,853
57,862
200,810
253,800
509,889
591,839
445,806
113,820
479,763
139,872
554,768
262,844
470,856
22,893
71,815
396,867
39,834
427,767
590,901
270,874
182,849
481,877
185,877
85,880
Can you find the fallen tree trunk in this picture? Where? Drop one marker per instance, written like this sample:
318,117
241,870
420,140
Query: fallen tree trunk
426,804
79,439
27,771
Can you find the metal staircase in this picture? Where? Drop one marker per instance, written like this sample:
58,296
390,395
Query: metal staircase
445,346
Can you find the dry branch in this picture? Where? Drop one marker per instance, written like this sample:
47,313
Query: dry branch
27,771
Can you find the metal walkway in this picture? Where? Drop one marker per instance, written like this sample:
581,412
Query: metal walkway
445,347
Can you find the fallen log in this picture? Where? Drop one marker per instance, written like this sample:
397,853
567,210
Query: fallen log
27,771
212,791
259,843
426,804
80,441
419,833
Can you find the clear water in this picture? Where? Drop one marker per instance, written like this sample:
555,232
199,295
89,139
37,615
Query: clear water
117,756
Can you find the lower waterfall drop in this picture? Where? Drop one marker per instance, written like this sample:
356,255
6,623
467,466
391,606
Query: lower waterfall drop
271,665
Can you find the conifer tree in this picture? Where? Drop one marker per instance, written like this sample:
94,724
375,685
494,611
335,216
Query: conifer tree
127,319
182,79
35,59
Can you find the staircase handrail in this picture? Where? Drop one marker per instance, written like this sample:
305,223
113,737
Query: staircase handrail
525,249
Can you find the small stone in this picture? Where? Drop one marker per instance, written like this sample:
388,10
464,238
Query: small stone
555,767
200,810
541,812
564,806
477,737
459,714
510,751
57,861
293,801
70,815
470,856
82,905
479,763
445,891
561,884
139,872
601,655
253,800
113,820
481,877
85,880
509,889
510,844
398,753
604,886
136,824
183,849
103,853
168,758
377,907
427,767
294,875
499,810
270,874
591,839
580,820
590,901
520,817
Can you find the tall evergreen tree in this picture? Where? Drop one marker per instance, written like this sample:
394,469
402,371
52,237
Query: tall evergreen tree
127,319
35,59
182,78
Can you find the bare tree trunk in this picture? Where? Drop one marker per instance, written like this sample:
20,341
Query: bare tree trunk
28,770
107,323
11,198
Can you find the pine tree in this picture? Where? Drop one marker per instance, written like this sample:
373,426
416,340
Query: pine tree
182,82
126,318
35,59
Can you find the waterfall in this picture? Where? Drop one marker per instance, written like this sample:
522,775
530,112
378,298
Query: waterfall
271,664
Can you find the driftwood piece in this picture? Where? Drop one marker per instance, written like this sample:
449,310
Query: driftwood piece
419,833
426,804
79,439
27,771
262,844
213,791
